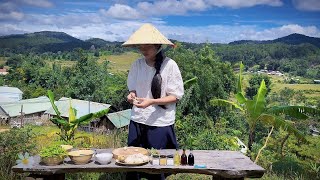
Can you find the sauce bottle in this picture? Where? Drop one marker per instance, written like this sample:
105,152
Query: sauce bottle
184,160
191,159
176,158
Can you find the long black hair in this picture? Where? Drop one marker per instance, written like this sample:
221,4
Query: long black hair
157,79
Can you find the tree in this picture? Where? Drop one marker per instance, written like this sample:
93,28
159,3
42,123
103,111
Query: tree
257,110
254,83
69,127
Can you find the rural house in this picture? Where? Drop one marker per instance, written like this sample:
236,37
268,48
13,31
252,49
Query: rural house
10,92
3,71
27,111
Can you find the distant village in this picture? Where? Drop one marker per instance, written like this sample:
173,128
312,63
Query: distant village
277,73
17,112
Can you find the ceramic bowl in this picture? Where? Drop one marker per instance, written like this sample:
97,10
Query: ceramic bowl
81,156
52,161
104,158
67,147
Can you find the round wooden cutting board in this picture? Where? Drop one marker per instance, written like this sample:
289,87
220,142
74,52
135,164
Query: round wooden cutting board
126,151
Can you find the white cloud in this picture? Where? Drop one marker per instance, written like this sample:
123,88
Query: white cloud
179,7
11,29
171,7
8,12
13,15
38,3
120,11
243,3
307,5
92,25
11,10
226,34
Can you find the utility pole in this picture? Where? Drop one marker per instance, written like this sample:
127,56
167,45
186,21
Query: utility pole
21,116
89,112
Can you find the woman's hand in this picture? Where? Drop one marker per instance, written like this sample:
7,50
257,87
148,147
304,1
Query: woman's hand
143,102
131,96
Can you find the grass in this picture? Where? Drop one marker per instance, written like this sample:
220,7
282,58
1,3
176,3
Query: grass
309,90
63,63
3,60
4,128
48,134
120,62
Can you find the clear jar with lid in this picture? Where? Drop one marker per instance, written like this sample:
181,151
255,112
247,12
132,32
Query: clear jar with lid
170,160
155,159
163,160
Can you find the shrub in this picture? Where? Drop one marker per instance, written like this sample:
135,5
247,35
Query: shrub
11,144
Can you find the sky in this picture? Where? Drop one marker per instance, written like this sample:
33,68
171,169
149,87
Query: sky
197,21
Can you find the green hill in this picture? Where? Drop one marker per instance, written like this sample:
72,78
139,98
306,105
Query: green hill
42,42
97,42
292,39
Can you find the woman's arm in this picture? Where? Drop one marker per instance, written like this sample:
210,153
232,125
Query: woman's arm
145,102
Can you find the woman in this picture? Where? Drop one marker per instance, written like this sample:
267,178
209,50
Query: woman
155,86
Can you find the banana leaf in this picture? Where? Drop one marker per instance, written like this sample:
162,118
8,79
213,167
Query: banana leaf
225,103
55,108
83,119
280,123
101,113
190,81
72,112
240,98
257,105
299,112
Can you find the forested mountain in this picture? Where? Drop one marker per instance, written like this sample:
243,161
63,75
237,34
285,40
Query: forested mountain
293,39
97,42
296,54
49,41
44,41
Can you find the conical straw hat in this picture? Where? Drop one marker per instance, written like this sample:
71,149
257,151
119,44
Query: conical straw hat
147,34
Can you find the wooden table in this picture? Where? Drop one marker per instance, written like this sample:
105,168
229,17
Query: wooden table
219,164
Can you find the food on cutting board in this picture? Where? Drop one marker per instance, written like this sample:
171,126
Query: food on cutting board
134,159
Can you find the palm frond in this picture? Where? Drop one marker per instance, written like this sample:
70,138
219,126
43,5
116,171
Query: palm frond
225,103
299,112
280,123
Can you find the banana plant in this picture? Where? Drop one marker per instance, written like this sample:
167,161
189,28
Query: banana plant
68,127
257,110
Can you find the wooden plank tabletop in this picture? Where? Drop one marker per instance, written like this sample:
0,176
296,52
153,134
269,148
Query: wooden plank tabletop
226,164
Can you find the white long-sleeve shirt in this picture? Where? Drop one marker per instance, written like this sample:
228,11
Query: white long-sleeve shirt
139,80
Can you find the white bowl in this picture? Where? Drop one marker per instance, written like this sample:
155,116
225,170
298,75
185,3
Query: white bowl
104,158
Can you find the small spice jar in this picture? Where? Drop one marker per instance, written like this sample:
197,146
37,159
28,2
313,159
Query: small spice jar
170,160
163,160
155,159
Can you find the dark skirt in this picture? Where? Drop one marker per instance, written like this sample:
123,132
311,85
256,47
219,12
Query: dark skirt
141,135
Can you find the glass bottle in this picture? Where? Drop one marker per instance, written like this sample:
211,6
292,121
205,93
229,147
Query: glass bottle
191,158
170,160
184,160
177,158
163,160
155,159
